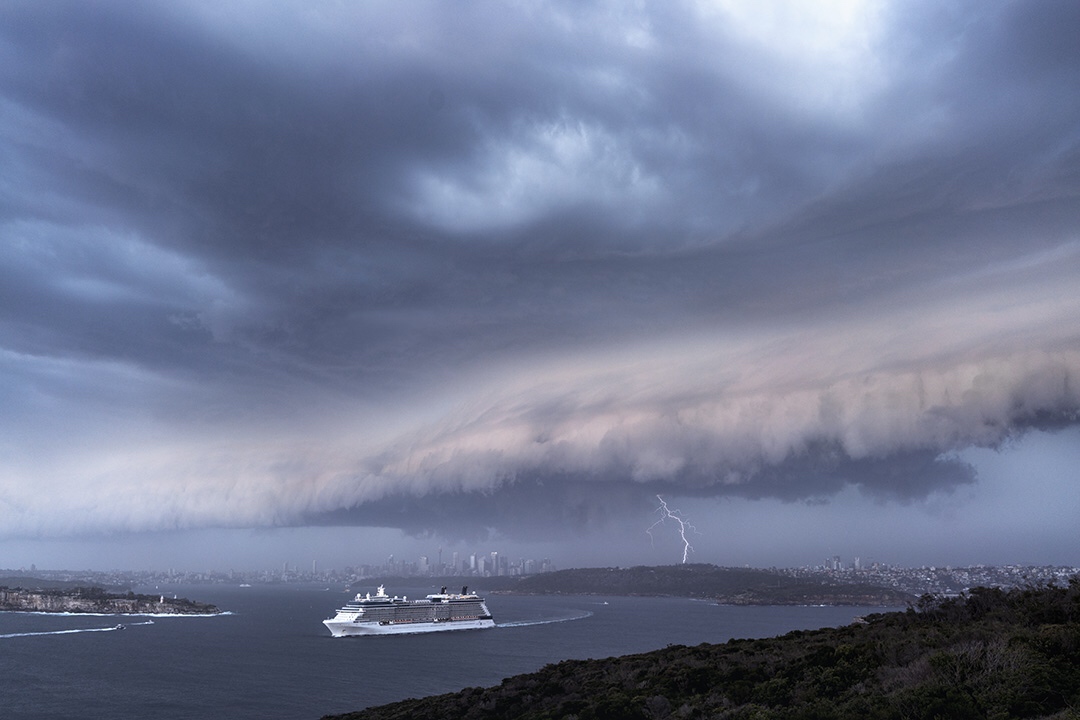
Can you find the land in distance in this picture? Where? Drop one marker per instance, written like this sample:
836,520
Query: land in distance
15,598
728,586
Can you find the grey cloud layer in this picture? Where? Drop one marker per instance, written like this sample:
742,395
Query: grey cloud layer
307,262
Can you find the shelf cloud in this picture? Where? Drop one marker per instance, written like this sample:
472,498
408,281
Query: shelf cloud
514,269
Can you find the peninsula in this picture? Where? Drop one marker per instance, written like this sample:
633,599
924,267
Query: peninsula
97,600
727,586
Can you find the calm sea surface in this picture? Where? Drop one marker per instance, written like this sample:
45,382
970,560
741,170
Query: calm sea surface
271,657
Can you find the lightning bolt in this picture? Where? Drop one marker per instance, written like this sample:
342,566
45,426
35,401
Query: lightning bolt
684,525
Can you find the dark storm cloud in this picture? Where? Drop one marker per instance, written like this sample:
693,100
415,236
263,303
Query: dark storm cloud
536,507
264,265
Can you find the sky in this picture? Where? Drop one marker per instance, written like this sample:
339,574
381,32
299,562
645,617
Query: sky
325,281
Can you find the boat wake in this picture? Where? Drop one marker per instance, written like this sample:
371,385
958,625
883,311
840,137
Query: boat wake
112,614
74,631
526,623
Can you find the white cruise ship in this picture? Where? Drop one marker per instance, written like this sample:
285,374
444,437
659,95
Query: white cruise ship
381,614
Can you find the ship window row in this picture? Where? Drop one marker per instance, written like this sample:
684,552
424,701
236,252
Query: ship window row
421,612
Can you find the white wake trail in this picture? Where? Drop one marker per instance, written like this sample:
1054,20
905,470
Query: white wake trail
59,632
526,623
71,632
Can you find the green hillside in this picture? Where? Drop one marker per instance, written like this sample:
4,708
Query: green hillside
739,586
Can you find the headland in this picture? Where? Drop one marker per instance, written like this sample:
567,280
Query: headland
96,600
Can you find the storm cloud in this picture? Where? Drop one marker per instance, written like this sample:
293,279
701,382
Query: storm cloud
462,268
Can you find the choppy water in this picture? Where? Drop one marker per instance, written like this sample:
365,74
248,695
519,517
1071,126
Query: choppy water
271,658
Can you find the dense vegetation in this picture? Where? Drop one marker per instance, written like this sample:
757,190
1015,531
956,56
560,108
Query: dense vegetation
736,586
96,600
727,585
33,583
691,580
988,654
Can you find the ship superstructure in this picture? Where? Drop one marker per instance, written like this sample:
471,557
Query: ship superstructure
381,614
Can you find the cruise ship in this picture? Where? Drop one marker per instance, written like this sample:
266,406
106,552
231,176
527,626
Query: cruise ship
381,614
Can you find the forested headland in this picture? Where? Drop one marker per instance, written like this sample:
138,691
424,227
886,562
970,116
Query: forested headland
735,586
23,596
730,586
989,653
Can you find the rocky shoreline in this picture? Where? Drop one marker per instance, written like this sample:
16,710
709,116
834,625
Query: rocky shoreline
98,601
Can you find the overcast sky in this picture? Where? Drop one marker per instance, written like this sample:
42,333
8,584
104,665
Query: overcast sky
328,280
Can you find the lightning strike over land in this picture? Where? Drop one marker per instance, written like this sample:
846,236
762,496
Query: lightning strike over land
684,525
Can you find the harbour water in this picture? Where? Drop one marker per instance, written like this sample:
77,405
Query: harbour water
271,658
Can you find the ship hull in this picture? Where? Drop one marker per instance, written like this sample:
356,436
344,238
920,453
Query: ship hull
345,628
